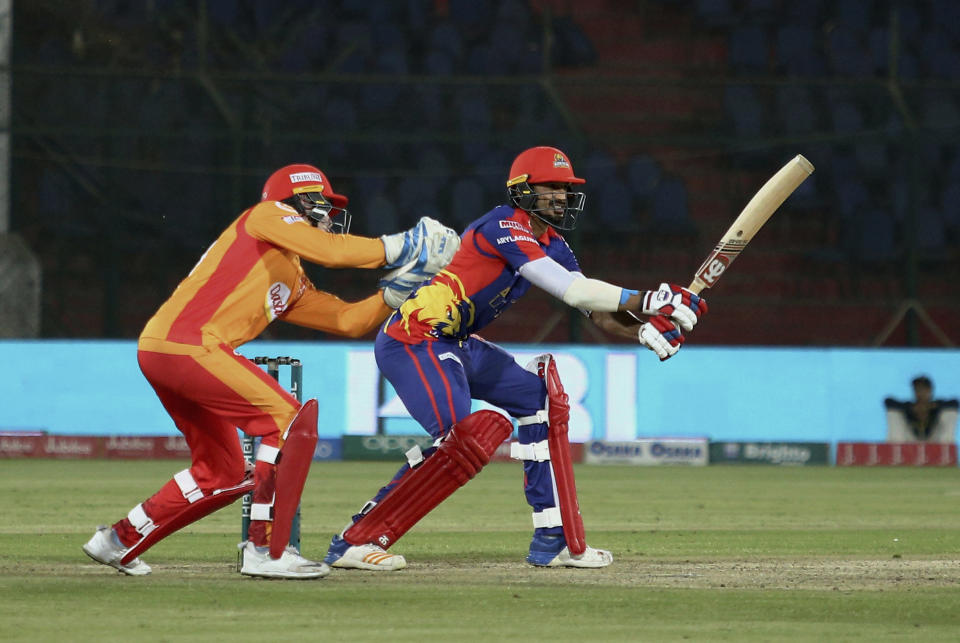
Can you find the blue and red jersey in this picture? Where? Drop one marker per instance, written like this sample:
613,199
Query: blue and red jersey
481,281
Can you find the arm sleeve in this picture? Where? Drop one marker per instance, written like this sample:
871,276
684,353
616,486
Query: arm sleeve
281,226
330,314
579,292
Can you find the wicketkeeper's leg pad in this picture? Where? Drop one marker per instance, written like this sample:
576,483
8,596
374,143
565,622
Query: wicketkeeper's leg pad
465,450
556,449
292,460
201,505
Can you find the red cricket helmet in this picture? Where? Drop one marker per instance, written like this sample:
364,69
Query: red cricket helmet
542,165
297,179
546,165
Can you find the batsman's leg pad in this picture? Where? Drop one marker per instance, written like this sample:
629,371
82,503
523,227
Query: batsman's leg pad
200,505
465,450
557,451
293,461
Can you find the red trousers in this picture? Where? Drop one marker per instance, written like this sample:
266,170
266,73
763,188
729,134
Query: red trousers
210,391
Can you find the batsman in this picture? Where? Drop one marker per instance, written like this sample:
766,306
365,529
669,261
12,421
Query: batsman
429,351
250,276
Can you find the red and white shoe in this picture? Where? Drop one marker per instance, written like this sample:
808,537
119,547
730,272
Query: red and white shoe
104,548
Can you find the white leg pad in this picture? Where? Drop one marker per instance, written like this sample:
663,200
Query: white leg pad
540,417
140,520
267,453
537,451
414,456
261,511
547,518
188,486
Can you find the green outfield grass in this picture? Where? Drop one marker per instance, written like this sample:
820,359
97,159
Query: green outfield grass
731,553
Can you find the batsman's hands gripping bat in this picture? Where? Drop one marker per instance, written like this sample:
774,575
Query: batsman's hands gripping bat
679,304
661,335
763,204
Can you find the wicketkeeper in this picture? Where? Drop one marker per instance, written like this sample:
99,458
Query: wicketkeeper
250,276
429,352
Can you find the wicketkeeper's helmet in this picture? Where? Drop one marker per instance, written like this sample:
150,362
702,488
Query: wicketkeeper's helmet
307,189
545,165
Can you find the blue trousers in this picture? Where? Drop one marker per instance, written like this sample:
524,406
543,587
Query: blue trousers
437,381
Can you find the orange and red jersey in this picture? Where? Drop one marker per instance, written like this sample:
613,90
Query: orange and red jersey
252,275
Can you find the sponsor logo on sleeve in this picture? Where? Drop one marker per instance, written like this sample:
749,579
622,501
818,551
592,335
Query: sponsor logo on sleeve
278,296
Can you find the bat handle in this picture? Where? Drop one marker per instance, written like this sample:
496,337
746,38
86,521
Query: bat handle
697,285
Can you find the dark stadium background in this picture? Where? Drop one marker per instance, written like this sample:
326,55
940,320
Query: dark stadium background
140,129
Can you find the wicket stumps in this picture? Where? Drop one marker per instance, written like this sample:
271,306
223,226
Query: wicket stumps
273,365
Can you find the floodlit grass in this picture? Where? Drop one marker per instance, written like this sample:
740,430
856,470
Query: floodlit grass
732,553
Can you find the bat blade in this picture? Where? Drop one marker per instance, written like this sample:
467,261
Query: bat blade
760,208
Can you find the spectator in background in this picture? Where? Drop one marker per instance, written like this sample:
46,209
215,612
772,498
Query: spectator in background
924,419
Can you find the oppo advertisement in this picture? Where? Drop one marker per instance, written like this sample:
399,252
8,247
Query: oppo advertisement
616,393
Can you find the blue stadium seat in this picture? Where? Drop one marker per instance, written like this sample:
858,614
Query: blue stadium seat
507,52
612,206
946,14
749,48
856,14
598,167
671,212
795,110
950,207
415,195
805,14
939,110
931,234
909,20
467,202
852,197
875,238
379,215
716,13
445,38
873,158
745,110
353,40
879,48
798,51
470,16
761,11
643,175
438,63
939,54
849,52
846,117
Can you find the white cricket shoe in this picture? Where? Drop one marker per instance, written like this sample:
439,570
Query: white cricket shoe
589,558
105,549
552,551
373,557
290,564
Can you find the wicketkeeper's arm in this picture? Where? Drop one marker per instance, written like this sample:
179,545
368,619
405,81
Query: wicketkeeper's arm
330,314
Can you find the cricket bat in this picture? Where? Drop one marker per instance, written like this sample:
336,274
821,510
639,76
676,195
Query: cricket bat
763,204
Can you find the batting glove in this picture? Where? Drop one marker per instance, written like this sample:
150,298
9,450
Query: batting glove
661,335
679,304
